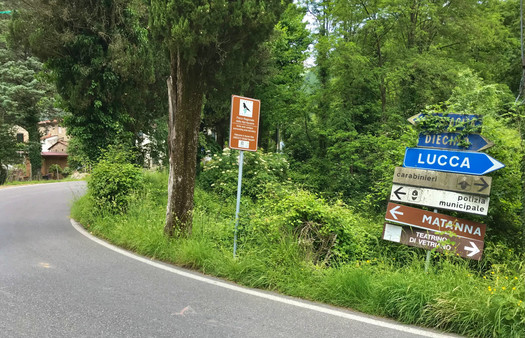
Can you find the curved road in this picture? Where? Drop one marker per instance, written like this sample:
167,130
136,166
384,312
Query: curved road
57,281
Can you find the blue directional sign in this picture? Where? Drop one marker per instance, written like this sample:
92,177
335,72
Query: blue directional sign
462,162
451,140
455,119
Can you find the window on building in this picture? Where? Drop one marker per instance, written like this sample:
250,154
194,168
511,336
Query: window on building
19,137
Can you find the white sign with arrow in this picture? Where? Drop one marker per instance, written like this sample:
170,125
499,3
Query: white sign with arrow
441,199
473,249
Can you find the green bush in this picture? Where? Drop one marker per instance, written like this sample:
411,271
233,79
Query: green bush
3,174
56,170
66,171
356,167
327,232
220,174
113,179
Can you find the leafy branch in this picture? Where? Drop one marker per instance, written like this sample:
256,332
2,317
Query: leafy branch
437,122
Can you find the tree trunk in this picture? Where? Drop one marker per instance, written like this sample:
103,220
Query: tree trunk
185,105
411,34
221,129
382,87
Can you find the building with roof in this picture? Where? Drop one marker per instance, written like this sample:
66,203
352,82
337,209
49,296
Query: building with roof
54,145
56,154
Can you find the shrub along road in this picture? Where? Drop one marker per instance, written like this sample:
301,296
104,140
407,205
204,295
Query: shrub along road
56,282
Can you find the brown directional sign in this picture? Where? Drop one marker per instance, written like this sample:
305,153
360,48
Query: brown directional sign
479,185
244,123
428,239
433,221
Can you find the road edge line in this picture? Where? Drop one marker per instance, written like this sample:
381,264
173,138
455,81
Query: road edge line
317,308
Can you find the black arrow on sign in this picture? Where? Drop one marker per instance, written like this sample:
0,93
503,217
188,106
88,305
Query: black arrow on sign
398,192
483,185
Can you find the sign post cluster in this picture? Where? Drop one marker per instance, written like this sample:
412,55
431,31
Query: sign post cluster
442,175
244,133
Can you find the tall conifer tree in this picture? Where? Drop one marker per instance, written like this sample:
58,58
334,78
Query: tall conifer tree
200,36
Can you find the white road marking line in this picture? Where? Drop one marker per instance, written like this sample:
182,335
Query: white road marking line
255,293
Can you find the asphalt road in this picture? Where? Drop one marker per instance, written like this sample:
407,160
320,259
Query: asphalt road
57,281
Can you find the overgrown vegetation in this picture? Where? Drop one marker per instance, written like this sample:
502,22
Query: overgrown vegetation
220,173
113,179
300,244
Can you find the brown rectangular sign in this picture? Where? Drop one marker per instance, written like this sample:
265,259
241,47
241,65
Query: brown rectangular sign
479,185
428,239
433,221
244,123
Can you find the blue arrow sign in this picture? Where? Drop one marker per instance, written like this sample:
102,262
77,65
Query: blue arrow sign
455,119
450,141
462,162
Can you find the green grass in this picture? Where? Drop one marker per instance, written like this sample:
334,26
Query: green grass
15,183
456,296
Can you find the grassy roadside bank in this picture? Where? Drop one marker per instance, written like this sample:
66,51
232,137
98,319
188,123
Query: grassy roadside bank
362,272
22,183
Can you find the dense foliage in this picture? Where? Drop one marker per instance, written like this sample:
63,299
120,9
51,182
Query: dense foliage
220,172
25,99
8,154
104,67
113,179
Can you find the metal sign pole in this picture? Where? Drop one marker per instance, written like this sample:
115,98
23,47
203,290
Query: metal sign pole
427,260
239,183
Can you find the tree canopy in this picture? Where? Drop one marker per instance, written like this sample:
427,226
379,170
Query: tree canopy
25,95
202,37
103,64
